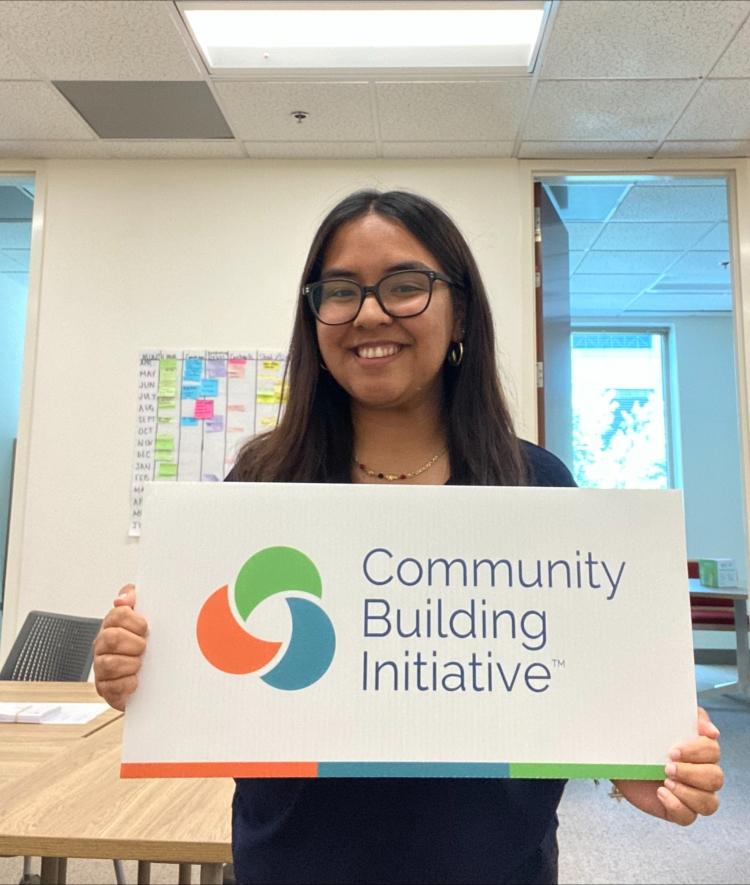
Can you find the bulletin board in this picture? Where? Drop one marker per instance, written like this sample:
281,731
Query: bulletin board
196,409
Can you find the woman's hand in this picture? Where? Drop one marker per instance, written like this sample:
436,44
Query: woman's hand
693,779
118,650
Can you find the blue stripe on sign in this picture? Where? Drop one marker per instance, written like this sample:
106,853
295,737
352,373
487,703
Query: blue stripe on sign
413,769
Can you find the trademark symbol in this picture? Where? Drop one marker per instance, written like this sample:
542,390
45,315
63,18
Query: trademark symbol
558,663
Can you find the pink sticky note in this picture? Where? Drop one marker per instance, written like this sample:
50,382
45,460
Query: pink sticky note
204,408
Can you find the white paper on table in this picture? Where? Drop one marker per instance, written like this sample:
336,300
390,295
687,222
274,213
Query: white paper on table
51,713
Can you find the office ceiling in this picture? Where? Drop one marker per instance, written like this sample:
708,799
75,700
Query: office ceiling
103,78
645,245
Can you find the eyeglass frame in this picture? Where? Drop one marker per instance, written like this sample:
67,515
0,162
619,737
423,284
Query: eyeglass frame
433,276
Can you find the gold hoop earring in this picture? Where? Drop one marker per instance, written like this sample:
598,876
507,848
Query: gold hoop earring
456,354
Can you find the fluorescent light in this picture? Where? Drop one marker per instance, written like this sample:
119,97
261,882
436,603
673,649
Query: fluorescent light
393,36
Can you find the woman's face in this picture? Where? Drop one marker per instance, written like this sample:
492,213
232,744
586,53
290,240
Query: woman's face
382,361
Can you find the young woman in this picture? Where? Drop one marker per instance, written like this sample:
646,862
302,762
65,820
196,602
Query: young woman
393,380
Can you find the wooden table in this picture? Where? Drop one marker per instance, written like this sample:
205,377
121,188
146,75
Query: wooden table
74,804
24,748
740,689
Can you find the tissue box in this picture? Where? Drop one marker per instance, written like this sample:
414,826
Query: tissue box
717,572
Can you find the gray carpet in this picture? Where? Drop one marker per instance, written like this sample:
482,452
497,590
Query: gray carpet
601,840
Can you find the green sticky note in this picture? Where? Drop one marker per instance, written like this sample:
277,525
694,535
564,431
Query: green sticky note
163,456
164,443
166,471
168,364
169,390
167,402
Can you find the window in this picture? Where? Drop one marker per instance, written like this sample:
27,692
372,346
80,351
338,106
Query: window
620,409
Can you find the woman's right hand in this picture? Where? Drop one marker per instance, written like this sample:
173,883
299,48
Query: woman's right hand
118,650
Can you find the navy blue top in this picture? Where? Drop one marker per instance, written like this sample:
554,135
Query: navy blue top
394,830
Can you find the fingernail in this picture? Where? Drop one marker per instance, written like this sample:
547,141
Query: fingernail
663,792
714,731
123,592
670,769
675,753
669,784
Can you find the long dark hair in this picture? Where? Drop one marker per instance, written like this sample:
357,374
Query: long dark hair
313,441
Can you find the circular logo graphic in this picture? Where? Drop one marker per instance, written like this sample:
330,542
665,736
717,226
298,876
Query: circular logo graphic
230,647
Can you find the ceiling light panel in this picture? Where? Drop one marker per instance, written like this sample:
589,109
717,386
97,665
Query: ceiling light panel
325,35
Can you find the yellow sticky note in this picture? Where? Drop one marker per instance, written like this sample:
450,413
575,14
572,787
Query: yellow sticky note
271,364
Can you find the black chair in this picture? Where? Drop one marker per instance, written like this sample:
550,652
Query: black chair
53,648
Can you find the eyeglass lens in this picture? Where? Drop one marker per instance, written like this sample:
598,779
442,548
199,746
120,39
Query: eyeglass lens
402,294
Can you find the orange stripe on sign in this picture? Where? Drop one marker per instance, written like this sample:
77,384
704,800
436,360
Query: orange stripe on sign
218,769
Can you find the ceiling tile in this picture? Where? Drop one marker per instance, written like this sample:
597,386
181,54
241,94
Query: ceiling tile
15,235
19,280
705,149
581,235
713,267
8,262
671,302
716,240
451,111
615,283
552,150
447,149
640,236
319,150
263,111
37,111
574,260
175,148
152,109
47,150
627,262
12,67
98,39
599,110
668,203
19,257
665,39
720,110
736,60
598,303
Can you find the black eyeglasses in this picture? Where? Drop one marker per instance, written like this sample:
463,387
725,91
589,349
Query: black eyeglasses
405,293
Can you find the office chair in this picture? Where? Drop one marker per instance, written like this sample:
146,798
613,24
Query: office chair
51,647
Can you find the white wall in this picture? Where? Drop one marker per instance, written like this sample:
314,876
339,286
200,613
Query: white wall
142,254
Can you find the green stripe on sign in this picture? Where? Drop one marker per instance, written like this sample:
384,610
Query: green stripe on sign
587,772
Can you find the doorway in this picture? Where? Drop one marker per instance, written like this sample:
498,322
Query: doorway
638,375
16,206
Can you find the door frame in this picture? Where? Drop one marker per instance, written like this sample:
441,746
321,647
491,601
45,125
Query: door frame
35,169
737,173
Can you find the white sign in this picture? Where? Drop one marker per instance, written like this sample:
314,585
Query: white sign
362,630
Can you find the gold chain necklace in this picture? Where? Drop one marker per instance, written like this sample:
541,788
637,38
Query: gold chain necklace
393,477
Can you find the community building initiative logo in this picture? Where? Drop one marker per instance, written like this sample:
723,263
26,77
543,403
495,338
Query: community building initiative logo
226,642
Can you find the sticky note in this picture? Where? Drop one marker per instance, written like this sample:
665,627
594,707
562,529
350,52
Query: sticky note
164,443
169,390
166,471
204,408
237,368
167,402
193,369
216,369
163,455
236,407
267,397
271,364
215,425
209,387
189,422
191,391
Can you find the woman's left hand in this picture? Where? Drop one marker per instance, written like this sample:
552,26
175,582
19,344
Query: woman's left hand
693,779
